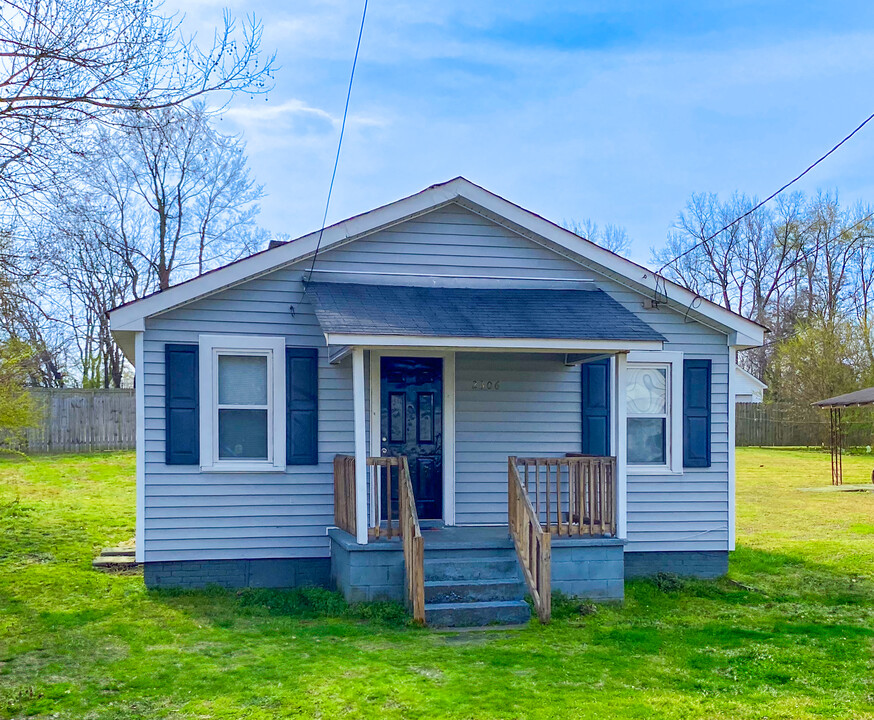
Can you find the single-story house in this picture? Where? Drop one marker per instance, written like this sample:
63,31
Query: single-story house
747,387
521,405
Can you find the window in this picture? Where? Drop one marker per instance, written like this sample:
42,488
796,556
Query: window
647,409
654,412
242,403
243,407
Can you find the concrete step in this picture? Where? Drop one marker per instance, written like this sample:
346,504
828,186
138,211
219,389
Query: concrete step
118,552
438,552
477,614
464,568
467,591
114,562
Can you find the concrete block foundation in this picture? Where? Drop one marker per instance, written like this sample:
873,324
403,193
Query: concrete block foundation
591,568
266,573
701,564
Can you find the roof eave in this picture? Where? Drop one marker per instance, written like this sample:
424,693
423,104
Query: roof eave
486,344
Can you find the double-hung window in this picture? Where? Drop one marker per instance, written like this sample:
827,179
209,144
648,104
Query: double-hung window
242,403
653,412
648,410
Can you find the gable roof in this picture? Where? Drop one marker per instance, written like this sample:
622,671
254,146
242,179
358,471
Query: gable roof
742,332
750,381
349,308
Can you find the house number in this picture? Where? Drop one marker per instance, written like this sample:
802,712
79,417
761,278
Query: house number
486,384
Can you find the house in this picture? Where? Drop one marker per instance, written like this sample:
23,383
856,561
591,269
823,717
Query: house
747,387
449,364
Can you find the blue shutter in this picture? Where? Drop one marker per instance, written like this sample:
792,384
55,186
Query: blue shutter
302,406
182,414
596,407
696,413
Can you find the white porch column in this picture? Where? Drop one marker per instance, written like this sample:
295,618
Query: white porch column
620,448
360,445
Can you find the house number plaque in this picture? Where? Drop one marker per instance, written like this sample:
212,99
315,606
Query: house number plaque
486,384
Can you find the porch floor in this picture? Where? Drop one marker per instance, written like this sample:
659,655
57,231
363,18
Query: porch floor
471,537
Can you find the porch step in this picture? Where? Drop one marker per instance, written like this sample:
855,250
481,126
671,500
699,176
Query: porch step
122,557
114,562
491,567
470,591
469,614
118,552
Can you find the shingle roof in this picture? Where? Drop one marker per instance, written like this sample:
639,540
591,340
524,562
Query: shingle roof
482,312
860,397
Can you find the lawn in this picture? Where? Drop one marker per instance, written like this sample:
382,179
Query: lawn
789,633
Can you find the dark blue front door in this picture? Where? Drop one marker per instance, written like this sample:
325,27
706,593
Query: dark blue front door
412,425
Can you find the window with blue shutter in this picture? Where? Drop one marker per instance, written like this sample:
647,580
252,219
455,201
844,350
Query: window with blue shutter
182,415
596,407
696,413
302,412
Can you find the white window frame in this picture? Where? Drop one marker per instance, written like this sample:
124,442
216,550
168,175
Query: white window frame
273,348
673,362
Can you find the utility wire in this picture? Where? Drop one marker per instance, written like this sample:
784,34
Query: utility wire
767,199
339,146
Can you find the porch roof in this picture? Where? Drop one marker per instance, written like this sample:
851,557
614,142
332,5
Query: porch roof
345,310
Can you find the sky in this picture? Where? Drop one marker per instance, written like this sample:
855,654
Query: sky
613,111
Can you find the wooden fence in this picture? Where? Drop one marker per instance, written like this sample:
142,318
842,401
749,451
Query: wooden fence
783,424
77,420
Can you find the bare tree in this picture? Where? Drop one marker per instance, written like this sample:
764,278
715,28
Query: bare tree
66,64
612,237
23,319
152,204
803,267
187,184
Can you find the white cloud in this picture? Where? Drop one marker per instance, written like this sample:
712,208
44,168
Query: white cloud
267,113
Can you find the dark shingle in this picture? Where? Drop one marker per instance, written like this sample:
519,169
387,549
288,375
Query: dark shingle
475,312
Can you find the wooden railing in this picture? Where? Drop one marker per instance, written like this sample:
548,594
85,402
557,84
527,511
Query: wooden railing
533,544
344,493
414,544
401,518
383,474
572,496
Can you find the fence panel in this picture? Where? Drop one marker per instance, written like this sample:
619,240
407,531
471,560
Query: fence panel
783,424
78,420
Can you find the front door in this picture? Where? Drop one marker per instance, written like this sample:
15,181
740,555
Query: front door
412,425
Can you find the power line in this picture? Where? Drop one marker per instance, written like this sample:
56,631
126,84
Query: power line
769,198
339,146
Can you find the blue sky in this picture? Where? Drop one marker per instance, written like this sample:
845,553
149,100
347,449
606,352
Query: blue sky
614,111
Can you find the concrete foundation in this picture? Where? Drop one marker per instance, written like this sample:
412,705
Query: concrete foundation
709,564
365,573
591,568
267,573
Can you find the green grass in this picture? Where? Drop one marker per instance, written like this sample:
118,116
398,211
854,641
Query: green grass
789,634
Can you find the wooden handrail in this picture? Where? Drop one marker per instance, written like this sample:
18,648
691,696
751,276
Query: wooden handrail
344,493
414,544
533,544
407,517
572,496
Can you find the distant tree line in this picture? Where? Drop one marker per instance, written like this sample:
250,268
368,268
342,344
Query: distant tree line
803,267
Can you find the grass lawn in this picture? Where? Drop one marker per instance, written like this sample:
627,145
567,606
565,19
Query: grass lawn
789,634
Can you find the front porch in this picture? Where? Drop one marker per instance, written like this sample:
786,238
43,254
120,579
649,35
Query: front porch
468,406
560,535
